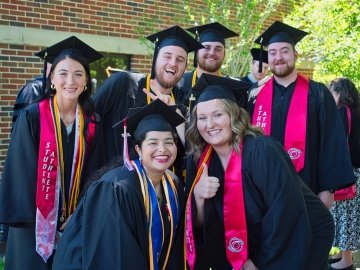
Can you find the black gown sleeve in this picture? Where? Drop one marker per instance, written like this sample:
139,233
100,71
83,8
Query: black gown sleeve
286,235
18,182
335,168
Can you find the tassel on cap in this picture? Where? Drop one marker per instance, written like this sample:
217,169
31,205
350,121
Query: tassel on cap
261,56
126,158
44,75
195,52
156,50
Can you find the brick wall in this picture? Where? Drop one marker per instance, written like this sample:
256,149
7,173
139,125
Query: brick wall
116,20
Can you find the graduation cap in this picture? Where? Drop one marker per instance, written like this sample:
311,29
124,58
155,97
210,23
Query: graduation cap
255,52
211,32
279,32
173,36
156,116
69,46
209,87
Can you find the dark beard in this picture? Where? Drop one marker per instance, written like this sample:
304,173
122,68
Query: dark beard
283,73
209,68
164,83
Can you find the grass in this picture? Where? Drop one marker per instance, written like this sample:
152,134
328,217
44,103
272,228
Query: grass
2,262
333,251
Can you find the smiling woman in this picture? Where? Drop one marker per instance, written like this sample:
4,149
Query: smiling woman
51,140
130,217
239,182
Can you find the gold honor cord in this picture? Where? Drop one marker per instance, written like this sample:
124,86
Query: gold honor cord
194,78
172,219
75,187
57,126
148,90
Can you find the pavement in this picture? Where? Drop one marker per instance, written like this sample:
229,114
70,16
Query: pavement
356,255
356,259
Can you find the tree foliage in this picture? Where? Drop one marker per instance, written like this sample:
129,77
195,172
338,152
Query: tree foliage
333,42
245,17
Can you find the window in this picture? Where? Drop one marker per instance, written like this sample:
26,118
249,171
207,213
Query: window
112,60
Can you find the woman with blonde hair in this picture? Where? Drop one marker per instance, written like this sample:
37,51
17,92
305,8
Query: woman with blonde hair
247,208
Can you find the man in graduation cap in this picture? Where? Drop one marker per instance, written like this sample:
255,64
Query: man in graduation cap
256,74
47,156
208,59
302,115
131,217
122,91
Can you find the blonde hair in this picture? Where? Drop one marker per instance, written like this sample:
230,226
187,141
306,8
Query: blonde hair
239,122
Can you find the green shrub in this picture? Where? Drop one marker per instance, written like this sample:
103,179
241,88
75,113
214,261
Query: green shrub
2,262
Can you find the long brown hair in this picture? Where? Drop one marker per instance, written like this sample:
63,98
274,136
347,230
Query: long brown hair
239,122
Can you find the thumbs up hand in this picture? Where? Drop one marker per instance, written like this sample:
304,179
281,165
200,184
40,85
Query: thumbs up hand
207,186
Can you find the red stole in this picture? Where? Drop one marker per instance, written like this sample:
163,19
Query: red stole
236,243
296,122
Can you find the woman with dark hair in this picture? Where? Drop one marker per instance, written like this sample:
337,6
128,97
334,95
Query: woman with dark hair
247,207
44,167
346,211
130,217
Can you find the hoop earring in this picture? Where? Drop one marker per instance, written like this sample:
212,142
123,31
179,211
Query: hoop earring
52,86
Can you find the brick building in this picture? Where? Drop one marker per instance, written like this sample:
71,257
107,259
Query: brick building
113,27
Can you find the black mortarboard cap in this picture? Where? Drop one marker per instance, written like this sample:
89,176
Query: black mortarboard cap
156,116
211,32
69,46
259,54
209,87
280,32
173,36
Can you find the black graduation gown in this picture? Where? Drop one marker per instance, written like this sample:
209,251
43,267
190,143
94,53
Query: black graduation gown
280,232
108,229
18,189
327,160
112,100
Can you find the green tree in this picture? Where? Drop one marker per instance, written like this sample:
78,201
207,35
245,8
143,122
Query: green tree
333,42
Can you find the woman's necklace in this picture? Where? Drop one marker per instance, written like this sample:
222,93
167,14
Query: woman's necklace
68,120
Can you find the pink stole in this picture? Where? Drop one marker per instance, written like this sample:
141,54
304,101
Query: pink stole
236,243
296,122
50,170
48,188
